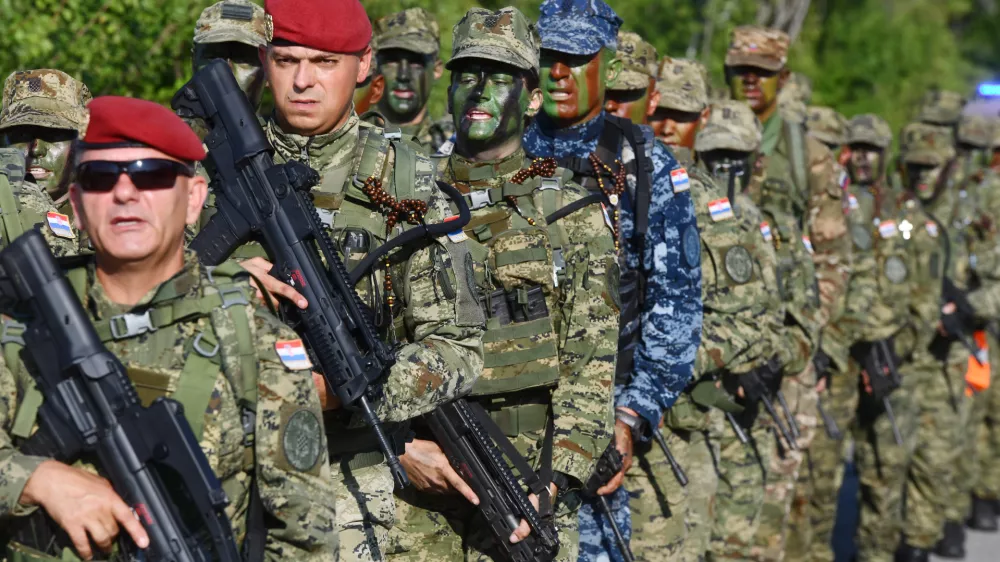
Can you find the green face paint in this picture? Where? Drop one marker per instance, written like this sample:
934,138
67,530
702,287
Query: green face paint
573,86
409,77
488,102
924,180
756,86
242,60
46,160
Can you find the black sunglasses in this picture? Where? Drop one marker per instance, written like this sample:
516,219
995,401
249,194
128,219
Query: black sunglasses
148,173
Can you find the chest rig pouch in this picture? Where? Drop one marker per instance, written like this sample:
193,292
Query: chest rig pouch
796,273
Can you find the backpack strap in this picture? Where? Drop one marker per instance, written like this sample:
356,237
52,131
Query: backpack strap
11,174
795,137
643,177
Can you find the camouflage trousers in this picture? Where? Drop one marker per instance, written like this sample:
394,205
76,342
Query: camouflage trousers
987,480
785,509
671,521
743,471
882,464
597,536
366,510
943,413
826,456
444,528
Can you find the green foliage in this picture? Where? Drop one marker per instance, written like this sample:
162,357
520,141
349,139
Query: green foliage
862,55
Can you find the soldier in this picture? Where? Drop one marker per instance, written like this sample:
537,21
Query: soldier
940,107
799,183
939,360
368,93
493,92
136,220
43,111
661,331
973,225
430,310
234,31
408,45
827,126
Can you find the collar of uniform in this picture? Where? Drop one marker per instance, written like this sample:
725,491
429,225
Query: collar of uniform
465,170
318,151
543,139
771,134
177,286
417,130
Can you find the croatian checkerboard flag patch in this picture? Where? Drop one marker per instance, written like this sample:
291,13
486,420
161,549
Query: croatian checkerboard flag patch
887,229
679,179
293,354
807,243
931,227
765,231
59,224
720,209
852,201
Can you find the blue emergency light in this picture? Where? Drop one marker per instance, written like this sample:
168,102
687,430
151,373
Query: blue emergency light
989,89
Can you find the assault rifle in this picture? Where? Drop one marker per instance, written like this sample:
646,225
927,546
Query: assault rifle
259,200
92,409
469,439
758,386
607,467
879,360
821,363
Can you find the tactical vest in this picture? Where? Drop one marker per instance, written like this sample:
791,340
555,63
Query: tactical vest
621,137
786,165
227,344
518,269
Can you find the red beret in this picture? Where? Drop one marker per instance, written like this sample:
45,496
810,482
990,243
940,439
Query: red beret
122,122
334,26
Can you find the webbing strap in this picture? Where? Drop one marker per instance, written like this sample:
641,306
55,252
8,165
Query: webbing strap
193,386
508,358
27,412
124,326
514,257
9,210
576,206
643,183
796,154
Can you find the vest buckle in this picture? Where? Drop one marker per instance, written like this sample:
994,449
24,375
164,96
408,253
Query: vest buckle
231,296
12,332
130,325
479,199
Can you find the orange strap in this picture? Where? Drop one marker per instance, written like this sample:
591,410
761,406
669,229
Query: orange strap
977,377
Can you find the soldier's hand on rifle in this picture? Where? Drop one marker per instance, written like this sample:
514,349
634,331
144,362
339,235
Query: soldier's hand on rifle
260,268
325,400
623,442
429,470
82,504
523,529
946,310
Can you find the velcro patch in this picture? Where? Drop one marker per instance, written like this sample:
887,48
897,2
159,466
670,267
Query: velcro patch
293,354
679,179
59,224
720,209
887,229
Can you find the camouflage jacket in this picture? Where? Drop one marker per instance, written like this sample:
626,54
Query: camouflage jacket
672,317
434,316
294,484
573,261
978,214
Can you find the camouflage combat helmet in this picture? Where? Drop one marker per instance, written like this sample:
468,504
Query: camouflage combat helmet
578,27
975,131
682,85
869,128
638,62
232,21
751,45
926,144
731,125
826,125
505,35
941,107
44,98
414,29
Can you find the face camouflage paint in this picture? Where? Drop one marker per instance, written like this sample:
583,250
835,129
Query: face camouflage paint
572,86
488,103
409,77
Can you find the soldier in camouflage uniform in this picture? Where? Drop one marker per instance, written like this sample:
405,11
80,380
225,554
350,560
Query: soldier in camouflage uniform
43,111
661,332
826,125
973,226
193,355
422,300
939,361
408,44
679,111
799,183
234,31
510,197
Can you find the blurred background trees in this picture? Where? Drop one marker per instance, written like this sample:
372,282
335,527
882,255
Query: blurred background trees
862,55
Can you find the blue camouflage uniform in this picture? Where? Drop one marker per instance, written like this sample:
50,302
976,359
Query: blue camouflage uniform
672,313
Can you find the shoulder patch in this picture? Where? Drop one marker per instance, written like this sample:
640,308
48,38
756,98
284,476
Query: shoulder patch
807,243
293,354
887,229
301,440
720,209
679,179
739,264
765,231
852,201
691,246
60,225
862,238
932,228
895,270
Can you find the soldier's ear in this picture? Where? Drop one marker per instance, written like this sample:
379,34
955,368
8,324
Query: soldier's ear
534,102
783,76
652,102
197,193
704,116
365,62
262,55
438,69
377,89
614,69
